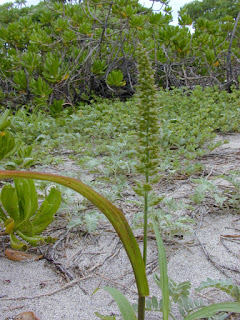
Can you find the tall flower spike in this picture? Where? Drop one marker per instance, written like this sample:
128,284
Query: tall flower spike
148,147
147,116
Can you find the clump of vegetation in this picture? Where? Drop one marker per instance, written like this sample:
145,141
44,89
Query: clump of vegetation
21,216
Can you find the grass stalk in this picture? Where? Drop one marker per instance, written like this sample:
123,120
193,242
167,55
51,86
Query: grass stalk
141,308
145,230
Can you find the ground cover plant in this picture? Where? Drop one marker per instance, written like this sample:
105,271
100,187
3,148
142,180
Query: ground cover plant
148,165
21,215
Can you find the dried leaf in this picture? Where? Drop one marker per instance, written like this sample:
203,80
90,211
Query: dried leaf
16,255
24,316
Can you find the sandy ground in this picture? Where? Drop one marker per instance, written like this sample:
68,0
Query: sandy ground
60,286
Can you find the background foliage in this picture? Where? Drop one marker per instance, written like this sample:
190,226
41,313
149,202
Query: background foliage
56,54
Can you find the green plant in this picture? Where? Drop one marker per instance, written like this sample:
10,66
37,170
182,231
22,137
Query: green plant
89,221
179,295
23,158
226,285
115,79
56,107
8,144
148,165
147,152
234,195
21,215
207,188
167,221
113,214
19,154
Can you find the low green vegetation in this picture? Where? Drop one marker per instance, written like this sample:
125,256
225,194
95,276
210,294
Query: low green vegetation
103,131
157,134
100,138
22,216
78,82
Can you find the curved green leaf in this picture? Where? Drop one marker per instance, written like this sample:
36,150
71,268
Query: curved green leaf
27,198
8,145
4,121
17,244
34,241
124,305
45,214
114,215
10,202
214,308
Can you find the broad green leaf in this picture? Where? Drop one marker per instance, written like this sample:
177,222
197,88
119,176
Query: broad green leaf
43,219
10,165
27,198
162,262
25,227
45,214
214,308
10,202
4,121
8,145
114,215
124,305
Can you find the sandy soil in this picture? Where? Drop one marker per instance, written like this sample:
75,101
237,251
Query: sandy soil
60,286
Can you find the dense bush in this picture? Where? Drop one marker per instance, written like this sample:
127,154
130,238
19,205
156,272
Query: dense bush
58,53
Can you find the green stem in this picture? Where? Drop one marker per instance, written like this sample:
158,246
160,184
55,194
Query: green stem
141,308
145,230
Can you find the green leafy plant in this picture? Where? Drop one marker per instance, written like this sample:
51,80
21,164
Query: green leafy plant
148,132
167,221
99,67
226,285
207,188
23,159
56,107
19,154
8,144
234,195
115,79
21,215
89,221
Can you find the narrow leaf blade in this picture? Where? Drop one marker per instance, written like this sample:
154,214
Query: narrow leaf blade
214,308
124,305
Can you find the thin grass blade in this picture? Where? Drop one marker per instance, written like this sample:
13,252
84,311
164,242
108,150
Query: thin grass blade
124,305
